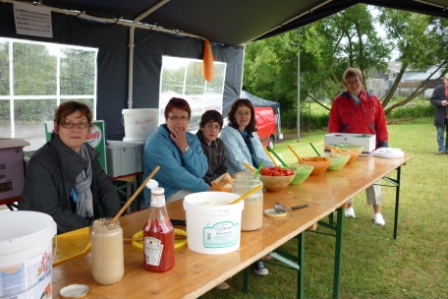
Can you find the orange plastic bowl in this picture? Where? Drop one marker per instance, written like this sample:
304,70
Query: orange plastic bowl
320,164
276,183
354,153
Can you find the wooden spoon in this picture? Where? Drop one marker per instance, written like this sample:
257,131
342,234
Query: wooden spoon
333,148
295,154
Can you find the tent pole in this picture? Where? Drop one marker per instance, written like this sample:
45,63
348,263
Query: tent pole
131,66
298,92
132,46
298,89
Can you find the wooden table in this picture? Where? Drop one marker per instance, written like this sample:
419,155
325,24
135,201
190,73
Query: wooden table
195,274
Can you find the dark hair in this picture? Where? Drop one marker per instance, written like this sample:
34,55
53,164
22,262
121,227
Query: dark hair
177,103
70,107
211,116
252,126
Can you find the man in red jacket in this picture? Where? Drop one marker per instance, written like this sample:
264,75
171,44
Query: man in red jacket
358,112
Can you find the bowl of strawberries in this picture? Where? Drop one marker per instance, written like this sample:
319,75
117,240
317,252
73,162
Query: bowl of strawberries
276,178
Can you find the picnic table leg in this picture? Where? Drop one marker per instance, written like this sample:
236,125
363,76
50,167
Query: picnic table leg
397,202
300,261
338,254
246,280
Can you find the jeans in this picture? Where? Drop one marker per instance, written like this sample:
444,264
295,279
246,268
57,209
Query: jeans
443,143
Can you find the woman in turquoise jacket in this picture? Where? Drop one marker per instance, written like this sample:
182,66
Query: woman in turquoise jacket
241,140
177,152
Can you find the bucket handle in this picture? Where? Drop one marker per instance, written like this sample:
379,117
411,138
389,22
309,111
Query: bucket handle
55,246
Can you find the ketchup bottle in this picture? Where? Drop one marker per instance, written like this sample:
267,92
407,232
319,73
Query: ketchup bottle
158,234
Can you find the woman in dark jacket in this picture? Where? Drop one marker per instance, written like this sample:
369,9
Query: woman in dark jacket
64,177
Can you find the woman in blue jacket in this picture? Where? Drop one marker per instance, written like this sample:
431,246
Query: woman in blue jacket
177,152
241,140
243,145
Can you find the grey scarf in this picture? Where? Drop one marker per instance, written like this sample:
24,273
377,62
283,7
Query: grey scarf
84,206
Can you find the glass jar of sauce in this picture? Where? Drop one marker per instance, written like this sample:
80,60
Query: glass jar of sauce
107,251
252,216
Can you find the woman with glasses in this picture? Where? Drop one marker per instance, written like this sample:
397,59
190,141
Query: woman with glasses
241,140
242,144
177,152
64,177
357,111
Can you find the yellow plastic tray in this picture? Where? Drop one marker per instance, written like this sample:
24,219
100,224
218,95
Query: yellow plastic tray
71,244
177,243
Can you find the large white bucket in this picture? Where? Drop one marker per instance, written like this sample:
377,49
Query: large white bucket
139,124
213,225
26,255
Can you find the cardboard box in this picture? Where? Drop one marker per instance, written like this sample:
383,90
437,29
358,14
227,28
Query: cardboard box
12,167
123,158
366,140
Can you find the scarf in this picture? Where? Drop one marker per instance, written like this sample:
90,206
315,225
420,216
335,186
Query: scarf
247,139
84,205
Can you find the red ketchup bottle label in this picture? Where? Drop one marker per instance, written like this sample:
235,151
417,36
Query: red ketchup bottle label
158,232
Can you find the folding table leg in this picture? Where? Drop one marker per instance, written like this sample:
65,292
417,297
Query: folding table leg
338,254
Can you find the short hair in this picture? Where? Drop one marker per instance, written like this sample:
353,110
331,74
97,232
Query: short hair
211,116
70,107
352,72
252,126
177,103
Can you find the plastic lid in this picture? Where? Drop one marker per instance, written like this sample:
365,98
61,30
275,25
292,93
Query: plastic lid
74,291
273,213
152,184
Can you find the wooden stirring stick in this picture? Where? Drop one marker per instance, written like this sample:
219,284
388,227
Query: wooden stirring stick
270,156
295,154
246,194
137,192
249,167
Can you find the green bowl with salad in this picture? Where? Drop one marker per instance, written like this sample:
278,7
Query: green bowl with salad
302,171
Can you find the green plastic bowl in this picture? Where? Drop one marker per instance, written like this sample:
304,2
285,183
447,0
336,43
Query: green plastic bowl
302,171
337,160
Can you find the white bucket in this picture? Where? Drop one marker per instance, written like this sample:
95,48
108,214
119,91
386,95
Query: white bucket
26,255
213,229
139,124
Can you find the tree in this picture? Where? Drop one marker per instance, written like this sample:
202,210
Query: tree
421,41
329,46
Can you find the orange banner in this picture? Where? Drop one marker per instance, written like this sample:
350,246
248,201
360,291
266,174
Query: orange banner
208,70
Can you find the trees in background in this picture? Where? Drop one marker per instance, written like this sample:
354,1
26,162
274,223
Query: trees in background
347,39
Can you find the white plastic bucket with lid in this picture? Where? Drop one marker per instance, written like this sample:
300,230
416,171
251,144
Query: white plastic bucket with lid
139,124
213,225
26,254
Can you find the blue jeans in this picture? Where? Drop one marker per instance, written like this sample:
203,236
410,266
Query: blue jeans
443,143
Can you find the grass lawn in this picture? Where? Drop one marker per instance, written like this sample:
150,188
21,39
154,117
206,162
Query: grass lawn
373,264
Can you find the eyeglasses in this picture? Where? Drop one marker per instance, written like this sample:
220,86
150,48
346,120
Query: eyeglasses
239,113
177,118
69,125
352,82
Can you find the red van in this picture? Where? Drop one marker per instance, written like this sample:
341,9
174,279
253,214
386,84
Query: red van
267,125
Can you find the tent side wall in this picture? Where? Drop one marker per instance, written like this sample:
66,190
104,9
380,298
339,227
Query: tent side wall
112,41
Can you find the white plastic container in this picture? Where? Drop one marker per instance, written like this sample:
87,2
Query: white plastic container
213,225
26,254
139,124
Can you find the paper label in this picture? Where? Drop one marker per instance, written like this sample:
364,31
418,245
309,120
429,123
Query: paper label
221,235
153,251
